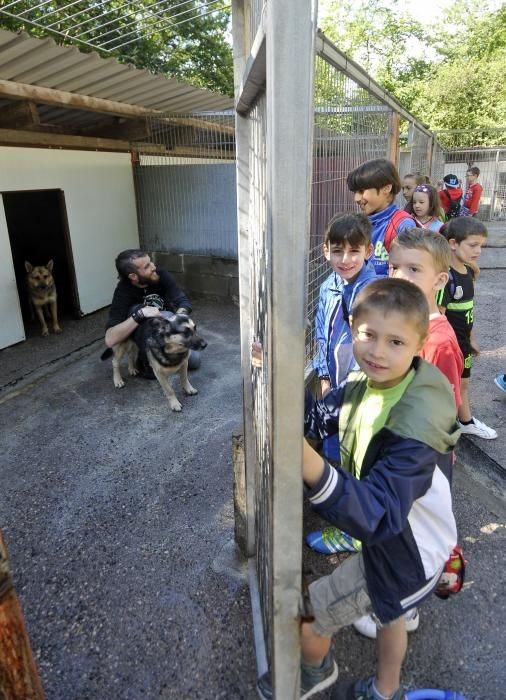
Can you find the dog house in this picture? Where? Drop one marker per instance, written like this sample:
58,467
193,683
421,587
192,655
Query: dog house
67,193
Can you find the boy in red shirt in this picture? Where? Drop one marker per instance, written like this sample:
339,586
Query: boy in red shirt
472,197
423,257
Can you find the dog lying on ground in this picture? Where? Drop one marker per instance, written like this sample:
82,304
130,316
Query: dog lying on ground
42,293
166,342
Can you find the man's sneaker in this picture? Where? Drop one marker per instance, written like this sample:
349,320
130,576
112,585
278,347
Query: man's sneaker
332,540
500,381
364,690
367,627
478,429
312,679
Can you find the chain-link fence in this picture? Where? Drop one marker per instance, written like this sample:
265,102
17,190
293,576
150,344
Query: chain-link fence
486,150
351,125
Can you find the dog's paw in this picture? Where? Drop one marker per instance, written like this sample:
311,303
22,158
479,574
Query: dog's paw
119,383
175,405
45,332
133,371
190,390
57,329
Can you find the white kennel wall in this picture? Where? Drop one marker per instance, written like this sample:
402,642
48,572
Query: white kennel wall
102,220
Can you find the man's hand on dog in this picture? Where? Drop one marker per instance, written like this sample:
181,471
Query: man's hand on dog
150,311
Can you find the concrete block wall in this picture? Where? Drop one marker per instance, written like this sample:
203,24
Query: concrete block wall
205,276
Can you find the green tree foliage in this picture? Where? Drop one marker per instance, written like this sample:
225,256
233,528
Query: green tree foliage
450,75
467,89
195,50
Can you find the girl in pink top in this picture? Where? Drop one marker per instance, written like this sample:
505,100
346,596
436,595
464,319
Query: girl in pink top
426,207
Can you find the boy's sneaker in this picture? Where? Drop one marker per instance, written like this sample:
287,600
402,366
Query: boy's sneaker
478,429
500,381
312,679
332,540
364,690
367,627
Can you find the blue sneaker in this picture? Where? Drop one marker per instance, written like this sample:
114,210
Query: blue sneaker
312,680
500,381
364,690
332,540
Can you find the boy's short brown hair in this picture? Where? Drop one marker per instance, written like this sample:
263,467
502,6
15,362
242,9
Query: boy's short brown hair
474,171
374,174
389,294
344,227
462,227
433,243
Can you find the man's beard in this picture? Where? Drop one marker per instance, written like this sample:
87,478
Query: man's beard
151,280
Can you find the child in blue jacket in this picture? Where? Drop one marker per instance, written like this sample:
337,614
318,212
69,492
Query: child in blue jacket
375,185
347,248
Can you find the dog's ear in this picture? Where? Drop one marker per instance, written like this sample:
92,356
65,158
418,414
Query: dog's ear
50,266
28,267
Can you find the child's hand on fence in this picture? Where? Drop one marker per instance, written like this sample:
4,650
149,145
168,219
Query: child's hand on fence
325,386
257,359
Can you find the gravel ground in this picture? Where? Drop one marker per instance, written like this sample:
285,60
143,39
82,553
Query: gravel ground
119,520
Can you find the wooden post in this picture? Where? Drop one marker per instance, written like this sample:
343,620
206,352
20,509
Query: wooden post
19,679
240,508
393,139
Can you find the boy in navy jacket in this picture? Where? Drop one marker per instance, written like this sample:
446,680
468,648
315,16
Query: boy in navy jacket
396,424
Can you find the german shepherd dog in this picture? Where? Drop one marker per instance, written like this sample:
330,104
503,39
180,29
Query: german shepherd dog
166,342
42,293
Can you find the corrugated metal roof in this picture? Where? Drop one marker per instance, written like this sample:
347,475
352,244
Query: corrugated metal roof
43,63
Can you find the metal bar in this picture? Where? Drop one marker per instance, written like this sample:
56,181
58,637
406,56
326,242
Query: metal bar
290,32
54,31
68,17
258,628
242,134
35,7
165,26
172,24
123,16
326,49
474,130
253,80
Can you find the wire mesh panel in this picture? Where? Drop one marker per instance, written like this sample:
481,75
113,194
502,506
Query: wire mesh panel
486,150
438,163
351,125
421,148
260,323
273,75
184,173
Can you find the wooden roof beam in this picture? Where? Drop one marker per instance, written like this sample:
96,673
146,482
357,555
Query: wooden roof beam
39,139
60,98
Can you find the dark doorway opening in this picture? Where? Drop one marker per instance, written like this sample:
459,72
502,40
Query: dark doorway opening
38,232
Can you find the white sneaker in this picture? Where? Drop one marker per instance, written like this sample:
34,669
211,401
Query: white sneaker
479,429
367,627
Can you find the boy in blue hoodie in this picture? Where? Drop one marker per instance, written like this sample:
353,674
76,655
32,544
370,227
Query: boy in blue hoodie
397,428
347,248
375,185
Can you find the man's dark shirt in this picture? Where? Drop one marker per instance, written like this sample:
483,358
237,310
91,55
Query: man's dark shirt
165,294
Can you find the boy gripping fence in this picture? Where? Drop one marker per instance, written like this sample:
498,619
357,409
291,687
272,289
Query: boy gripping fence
396,424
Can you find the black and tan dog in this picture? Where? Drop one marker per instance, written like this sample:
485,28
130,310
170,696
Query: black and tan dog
166,342
42,293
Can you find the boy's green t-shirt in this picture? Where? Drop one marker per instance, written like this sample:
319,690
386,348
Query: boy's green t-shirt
372,414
